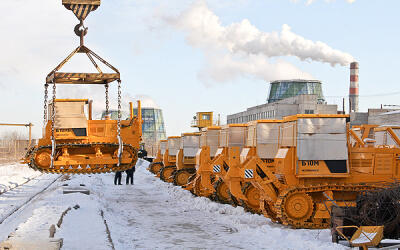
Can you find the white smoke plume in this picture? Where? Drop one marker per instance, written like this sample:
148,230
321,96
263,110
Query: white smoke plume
223,68
244,44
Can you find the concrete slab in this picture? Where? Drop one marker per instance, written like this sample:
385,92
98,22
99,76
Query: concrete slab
31,244
80,189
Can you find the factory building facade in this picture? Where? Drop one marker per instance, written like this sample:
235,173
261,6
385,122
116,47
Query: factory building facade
153,128
288,97
372,116
376,117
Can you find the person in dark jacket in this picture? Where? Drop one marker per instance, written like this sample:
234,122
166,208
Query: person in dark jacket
142,154
129,175
117,178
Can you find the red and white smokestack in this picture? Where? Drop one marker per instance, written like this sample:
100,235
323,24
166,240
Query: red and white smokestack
353,93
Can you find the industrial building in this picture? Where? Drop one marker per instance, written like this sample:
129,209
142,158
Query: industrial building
372,116
153,128
288,97
376,117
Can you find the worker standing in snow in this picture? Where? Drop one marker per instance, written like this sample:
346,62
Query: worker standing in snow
117,178
129,175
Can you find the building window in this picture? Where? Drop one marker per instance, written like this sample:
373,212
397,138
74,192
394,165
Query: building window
309,111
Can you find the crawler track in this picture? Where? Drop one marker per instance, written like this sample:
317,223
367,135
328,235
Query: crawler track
306,194
78,169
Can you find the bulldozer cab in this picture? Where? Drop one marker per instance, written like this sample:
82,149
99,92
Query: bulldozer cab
233,135
307,142
202,120
210,138
174,143
70,117
190,144
163,146
172,147
263,135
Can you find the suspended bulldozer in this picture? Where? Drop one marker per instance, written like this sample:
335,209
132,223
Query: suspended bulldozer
186,158
157,163
169,158
261,146
73,143
84,145
310,176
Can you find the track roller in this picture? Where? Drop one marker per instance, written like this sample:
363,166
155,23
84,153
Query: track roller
222,194
166,173
155,167
253,199
181,176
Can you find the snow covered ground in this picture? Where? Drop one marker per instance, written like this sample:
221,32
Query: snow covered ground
14,175
152,215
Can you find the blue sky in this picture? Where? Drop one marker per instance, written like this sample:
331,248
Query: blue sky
158,62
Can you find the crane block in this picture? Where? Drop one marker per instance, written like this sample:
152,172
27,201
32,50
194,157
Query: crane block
81,8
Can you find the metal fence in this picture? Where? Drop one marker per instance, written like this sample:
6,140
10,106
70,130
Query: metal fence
13,150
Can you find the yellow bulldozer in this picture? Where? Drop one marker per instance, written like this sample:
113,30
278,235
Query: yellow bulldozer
157,163
232,141
73,142
201,183
186,158
84,145
261,145
317,165
209,181
169,158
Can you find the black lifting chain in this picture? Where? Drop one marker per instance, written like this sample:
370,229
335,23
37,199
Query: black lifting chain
120,149
107,101
46,92
53,119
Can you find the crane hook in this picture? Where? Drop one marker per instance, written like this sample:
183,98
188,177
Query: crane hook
80,30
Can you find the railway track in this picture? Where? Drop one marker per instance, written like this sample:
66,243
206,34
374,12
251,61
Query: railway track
19,185
28,200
